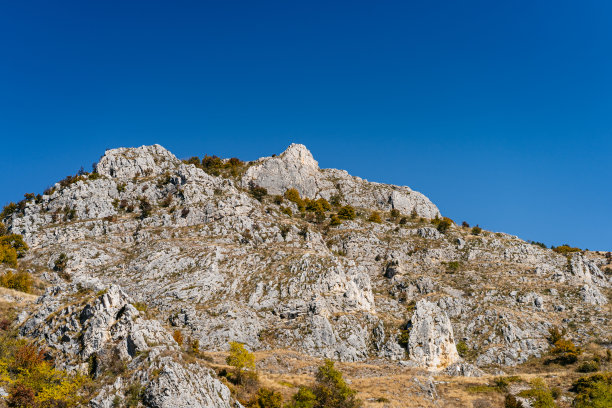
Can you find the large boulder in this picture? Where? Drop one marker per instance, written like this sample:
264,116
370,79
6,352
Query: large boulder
431,343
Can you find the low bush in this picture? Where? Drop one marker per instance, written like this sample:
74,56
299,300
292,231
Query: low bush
443,224
265,398
21,281
565,351
61,262
511,402
257,192
334,220
8,210
294,196
375,217
177,335
594,391
476,230
565,249
462,349
540,394
588,367
145,208
347,213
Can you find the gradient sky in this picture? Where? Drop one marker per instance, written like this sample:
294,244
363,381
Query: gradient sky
500,112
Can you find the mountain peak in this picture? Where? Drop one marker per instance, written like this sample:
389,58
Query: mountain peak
299,154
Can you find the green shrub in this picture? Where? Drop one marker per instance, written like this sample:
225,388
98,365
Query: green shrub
258,192
8,210
334,220
395,213
375,217
335,200
403,221
265,398
511,402
21,281
278,199
442,225
462,349
565,249
331,391
347,213
594,391
133,395
145,208
541,395
61,262
476,230
588,367
453,266
304,398
8,255
287,210
3,229
294,196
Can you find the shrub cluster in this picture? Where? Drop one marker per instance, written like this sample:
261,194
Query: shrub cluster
217,166
31,381
593,391
12,247
21,281
565,249
442,224
330,390
375,217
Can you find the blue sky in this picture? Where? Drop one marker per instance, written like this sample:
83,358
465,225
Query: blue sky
500,112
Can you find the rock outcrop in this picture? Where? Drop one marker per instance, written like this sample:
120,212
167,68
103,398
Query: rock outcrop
431,343
296,168
215,263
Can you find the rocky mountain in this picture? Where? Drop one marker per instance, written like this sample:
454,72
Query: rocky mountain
148,245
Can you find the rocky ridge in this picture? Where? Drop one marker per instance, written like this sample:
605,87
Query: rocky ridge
219,265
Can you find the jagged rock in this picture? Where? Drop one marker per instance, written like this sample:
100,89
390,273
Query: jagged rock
431,343
591,295
143,161
185,386
392,269
462,369
296,168
221,266
428,232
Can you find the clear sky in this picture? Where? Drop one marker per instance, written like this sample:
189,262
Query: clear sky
499,111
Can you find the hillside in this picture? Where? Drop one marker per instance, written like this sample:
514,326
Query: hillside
300,264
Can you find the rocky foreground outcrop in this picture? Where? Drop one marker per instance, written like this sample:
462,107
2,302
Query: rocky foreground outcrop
210,260
104,330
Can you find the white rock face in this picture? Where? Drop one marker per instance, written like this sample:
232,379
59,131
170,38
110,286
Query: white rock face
221,266
296,168
431,343
136,162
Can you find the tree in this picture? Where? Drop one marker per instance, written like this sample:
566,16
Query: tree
331,390
241,359
16,242
304,398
